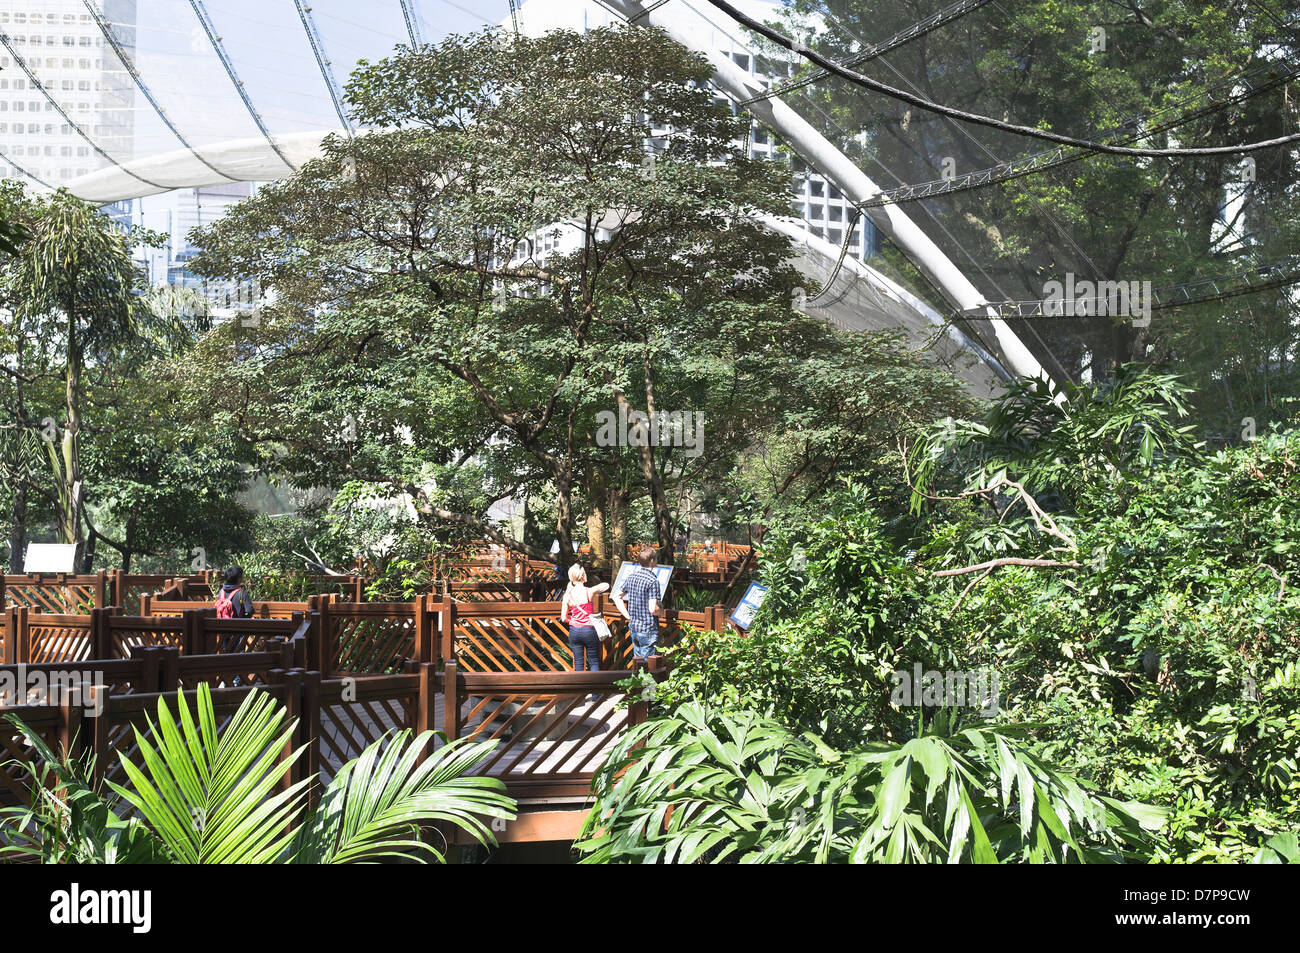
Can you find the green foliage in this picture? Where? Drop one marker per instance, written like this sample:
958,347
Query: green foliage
210,795
1059,443
415,254
71,819
718,786
1154,655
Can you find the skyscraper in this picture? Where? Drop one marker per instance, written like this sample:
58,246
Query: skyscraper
58,90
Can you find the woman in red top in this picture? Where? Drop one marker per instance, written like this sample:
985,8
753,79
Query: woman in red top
577,610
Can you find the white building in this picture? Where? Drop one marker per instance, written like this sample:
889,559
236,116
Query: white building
56,91
175,214
824,211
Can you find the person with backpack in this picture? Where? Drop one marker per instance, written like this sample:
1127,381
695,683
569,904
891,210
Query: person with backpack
233,602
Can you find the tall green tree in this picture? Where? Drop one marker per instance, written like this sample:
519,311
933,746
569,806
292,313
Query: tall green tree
75,280
84,436
548,237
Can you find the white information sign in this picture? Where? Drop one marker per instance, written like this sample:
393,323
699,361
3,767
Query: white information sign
50,557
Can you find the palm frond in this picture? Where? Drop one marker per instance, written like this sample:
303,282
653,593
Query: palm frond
375,805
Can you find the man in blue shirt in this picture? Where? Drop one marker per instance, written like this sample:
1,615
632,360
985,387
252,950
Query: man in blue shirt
641,591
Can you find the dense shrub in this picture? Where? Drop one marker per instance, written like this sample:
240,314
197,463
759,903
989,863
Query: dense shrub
1154,657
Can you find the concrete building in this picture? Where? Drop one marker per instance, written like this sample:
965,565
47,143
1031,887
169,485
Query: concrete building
58,90
824,211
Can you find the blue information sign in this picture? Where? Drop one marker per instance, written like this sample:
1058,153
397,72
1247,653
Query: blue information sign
743,615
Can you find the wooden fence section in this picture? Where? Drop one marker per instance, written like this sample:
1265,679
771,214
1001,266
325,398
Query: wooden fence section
66,593
102,634
157,606
552,730
529,636
367,637
530,591
500,567
78,706
55,592
58,726
337,638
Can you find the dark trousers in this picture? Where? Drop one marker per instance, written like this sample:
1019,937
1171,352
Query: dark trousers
583,640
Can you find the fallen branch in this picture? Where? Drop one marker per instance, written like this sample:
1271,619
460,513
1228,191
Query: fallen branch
969,586
1010,561
1045,524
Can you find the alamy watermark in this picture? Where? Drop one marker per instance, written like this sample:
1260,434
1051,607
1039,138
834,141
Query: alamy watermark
957,688
663,428
1072,298
20,685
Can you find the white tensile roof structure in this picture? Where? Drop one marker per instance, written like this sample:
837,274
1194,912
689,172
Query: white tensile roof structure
192,93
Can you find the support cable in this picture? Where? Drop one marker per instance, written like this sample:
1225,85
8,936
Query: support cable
844,251
413,23
1029,131
644,13
31,175
111,38
1279,274
1230,91
324,64
201,13
871,51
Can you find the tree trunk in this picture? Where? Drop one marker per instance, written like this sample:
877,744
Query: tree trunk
564,518
128,543
596,532
646,452
70,519
617,529
599,497
18,528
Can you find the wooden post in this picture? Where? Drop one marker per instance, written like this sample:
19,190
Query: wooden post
448,649
102,700
101,636
21,634
117,588
70,714
640,709
309,733
146,603
292,682
359,584
425,713
3,594
450,700
192,632
151,678
307,653
10,654
101,590
324,661
423,630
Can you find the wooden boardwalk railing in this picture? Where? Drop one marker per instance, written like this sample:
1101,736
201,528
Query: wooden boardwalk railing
350,672
552,730
30,637
342,638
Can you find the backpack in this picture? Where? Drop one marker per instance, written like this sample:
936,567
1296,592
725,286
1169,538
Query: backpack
225,603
